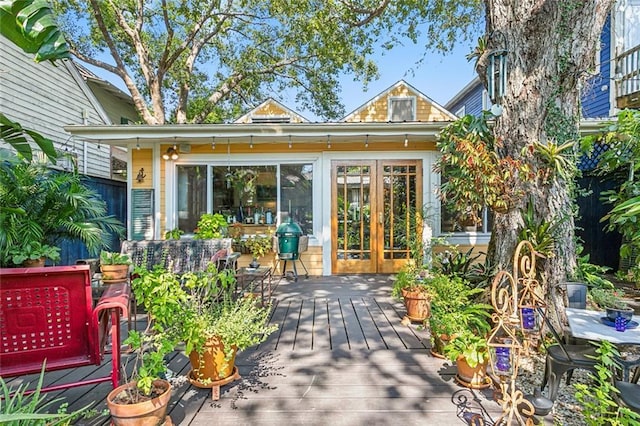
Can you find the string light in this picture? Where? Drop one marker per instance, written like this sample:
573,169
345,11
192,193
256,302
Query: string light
213,143
406,140
366,141
251,142
138,143
328,141
290,144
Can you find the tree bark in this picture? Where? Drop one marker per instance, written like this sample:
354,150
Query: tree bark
550,47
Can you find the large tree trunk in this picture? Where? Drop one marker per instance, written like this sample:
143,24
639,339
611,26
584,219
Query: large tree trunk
551,46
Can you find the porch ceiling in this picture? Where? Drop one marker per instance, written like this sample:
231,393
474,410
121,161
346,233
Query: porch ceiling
313,133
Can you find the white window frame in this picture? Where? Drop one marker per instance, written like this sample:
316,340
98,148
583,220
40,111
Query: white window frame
401,98
460,112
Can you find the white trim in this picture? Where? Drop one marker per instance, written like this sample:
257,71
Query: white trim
390,109
82,84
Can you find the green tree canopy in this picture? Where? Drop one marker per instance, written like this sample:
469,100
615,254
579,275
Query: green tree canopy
200,60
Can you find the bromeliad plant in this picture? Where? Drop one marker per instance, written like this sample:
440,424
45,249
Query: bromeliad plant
473,175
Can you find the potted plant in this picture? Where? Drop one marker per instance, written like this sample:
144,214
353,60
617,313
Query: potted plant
144,399
454,309
470,352
236,231
173,234
201,310
411,285
211,226
215,325
114,266
611,301
258,246
33,254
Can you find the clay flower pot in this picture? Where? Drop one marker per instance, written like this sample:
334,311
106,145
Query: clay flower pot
114,273
211,366
475,378
146,413
417,304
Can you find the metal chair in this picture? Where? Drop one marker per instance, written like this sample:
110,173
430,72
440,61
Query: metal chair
628,384
562,358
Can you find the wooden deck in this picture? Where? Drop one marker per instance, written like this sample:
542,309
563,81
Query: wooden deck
340,357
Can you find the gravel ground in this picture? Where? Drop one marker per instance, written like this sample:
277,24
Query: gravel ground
566,410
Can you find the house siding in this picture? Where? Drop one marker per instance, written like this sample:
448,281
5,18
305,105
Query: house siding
472,101
45,97
378,109
596,95
115,107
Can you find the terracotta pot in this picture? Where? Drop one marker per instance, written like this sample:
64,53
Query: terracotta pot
147,413
417,304
439,342
211,365
472,377
34,263
114,273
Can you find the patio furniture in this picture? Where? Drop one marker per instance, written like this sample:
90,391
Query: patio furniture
248,277
562,358
46,314
183,255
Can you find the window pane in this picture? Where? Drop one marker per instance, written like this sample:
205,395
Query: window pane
402,109
191,195
296,190
245,194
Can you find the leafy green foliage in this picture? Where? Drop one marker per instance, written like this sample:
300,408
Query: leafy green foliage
473,175
31,25
560,159
15,135
597,398
210,59
114,258
149,351
210,226
453,262
258,245
590,273
33,250
19,409
606,298
542,234
173,234
471,346
454,307
43,205
622,159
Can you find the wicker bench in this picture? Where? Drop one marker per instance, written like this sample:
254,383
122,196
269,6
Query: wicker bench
184,255
47,314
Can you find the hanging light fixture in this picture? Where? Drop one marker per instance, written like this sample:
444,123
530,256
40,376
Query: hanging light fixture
406,140
366,141
213,143
251,142
328,141
172,152
290,144
138,143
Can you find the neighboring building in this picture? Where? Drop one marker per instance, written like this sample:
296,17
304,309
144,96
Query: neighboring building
44,97
616,81
354,186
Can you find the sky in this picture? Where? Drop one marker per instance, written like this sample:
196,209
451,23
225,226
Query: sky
438,76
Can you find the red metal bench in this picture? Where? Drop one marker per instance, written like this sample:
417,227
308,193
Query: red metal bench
47,314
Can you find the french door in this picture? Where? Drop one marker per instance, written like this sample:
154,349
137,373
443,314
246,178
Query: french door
375,214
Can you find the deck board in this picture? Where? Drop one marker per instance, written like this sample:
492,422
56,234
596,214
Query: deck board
341,356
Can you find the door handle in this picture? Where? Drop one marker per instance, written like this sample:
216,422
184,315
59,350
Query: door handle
380,218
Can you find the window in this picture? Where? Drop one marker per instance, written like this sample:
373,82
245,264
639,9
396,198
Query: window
296,190
250,194
461,111
191,196
402,108
627,31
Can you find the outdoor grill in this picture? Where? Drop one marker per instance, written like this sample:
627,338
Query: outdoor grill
289,244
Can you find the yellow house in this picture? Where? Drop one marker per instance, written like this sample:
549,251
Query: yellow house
354,186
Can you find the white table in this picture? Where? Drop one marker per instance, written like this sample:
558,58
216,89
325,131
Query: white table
586,324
